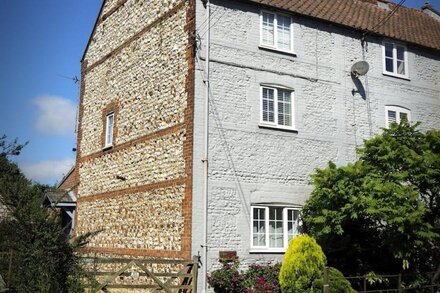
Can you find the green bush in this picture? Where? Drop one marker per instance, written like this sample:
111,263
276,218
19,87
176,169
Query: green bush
338,284
302,266
44,259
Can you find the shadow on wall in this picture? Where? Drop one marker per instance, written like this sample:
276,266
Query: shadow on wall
359,87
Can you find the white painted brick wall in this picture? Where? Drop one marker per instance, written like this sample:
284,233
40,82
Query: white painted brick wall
248,164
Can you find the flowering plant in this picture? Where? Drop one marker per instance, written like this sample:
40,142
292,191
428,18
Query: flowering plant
256,279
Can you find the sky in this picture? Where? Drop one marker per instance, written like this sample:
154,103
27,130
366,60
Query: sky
41,45
40,42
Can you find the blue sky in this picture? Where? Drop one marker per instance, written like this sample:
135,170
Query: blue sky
41,41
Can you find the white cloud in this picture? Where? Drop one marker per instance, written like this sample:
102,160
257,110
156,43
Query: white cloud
47,171
56,115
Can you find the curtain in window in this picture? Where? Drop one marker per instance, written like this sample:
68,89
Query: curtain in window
283,30
259,231
284,108
392,117
400,60
276,238
268,105
268,29
292,223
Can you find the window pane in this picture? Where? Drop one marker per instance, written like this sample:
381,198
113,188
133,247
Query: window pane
284,108
400,53
292,223
268,28
391,117
258,229
109,129
403,117
400,67
389,50
284,35
389,65
276,227
268,105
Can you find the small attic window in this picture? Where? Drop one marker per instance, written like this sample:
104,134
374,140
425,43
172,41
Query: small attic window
383,4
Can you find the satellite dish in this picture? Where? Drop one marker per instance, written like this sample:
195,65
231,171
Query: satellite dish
360,68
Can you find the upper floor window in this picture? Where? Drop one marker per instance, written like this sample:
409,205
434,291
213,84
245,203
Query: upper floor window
109,125
276,107
276,31
395,59
273,227
396,114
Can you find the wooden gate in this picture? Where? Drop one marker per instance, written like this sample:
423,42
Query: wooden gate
148,275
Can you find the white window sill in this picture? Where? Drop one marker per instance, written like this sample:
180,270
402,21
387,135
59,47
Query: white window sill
274,49
277,127
268,250
107,147
395,75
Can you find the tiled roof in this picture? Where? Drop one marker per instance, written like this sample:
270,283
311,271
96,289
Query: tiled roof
407,24
58,196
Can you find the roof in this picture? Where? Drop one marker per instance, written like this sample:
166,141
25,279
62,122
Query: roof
70,173
58,197
406,24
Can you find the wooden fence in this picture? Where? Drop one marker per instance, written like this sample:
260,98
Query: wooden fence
164,275
385,284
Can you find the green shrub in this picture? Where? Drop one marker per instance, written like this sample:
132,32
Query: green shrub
338,284
302,266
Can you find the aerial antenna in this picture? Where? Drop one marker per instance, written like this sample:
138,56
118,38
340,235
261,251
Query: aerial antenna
76,81
74,78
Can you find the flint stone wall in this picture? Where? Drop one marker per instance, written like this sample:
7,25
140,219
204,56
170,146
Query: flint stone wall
146,80
135,192
143,220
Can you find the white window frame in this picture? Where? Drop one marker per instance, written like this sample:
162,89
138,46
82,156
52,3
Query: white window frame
275,38
267,248
292,105
109,134
398,110
405,57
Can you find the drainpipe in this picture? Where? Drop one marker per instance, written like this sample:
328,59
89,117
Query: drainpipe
205,157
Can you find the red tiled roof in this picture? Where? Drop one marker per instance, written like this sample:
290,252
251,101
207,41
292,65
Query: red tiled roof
406,24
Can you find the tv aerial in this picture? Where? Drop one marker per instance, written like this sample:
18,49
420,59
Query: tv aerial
74,78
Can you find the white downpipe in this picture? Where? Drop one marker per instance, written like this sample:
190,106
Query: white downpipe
205,157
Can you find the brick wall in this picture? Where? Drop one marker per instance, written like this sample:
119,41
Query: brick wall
251,165
70,181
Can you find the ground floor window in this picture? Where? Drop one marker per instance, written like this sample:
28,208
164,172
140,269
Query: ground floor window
396,114
273,227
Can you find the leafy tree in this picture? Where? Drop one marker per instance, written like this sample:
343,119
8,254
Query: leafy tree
380,213
43,258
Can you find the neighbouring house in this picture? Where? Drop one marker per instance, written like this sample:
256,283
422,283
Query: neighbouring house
288,91
63,200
